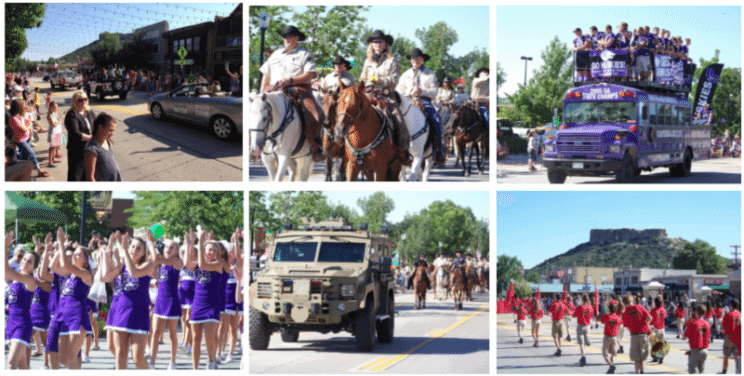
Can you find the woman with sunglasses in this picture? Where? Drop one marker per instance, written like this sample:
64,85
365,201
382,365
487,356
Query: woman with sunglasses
79,124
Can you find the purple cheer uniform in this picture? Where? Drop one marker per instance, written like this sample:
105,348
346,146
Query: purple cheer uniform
113,308
132,311
186,288
167,304
56,319
231,306
40,309
207,301
73,309
18,327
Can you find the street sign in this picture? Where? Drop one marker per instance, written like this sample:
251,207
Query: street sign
182,54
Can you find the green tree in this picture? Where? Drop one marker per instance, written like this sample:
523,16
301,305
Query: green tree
533,277
272,38
260,215
134,53
507,269
465,66
500,77
701,256
18,18
544,92
375,209
291,206
178,211
521,289
67,202
436,41
106,51
401,47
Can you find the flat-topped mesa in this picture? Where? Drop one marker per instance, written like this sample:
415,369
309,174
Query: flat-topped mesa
597,235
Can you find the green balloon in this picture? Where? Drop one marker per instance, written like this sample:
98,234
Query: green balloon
157,230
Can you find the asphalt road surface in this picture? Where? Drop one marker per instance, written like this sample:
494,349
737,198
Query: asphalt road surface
435,340
513,170
513,358
147,149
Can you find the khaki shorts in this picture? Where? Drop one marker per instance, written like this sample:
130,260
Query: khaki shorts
639,347
582,334
535,324
696,360
609,345
728,352
557,330
520,325
658,333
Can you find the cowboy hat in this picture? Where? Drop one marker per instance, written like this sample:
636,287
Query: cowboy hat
340,60
292,30
417,53
481,69
378,34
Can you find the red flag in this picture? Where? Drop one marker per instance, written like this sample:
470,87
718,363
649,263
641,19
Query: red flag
510,293
596,299
565,293
538,293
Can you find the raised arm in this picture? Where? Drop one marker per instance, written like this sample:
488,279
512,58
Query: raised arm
213,266
10,273
190,257
237,249
44,272
134,270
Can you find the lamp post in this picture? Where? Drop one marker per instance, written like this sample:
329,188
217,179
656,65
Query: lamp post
526,59
402,242
440,247
263,24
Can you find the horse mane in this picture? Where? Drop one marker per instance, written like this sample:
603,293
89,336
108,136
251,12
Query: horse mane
278,105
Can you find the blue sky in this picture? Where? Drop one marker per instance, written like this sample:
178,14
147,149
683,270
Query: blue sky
540,225
710,28
68,26
471,23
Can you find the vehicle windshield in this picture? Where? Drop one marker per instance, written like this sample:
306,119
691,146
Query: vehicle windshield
295,252
341,252
600,112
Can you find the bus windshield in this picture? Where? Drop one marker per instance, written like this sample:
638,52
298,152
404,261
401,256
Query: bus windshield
600,112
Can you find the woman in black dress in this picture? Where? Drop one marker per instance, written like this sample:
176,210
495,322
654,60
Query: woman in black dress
79,124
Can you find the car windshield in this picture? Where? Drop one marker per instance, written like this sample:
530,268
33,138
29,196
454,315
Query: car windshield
600,112
295,252
341,252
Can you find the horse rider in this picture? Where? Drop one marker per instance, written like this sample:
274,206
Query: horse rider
341,73
292,68
381,72
419,83
445,97
461,97
420,261
480,92
459,261
483,266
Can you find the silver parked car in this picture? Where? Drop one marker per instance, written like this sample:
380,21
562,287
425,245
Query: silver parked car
222,112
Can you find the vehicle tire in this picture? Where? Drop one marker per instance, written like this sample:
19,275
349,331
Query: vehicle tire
223,128
364,331
157,111
290,335
627,171
386,328
123,95
557,176
100,96
258,329
682,169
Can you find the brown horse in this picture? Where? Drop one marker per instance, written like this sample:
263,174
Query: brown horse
419,287
332,150
432,277
457,281
472,279
468,126
482,280
369,145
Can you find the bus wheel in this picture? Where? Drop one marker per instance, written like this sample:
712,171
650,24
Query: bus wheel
556,176
682,169
627,171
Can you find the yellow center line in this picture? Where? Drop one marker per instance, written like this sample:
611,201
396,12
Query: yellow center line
371,364
422,344
117,108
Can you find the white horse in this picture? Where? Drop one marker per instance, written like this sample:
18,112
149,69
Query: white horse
276,134
416,124
442,289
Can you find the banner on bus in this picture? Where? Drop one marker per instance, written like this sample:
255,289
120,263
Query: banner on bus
609,63
669,69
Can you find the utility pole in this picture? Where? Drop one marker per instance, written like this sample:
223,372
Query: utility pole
526,59
736,253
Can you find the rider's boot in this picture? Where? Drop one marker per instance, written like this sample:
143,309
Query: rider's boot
313,120
403,140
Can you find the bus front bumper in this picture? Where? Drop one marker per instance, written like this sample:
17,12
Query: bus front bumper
582,166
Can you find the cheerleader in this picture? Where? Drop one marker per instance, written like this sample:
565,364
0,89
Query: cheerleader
73,309
167,305
233,309
18,327
55,320
224,317
186,297
130,316
205,310
40,304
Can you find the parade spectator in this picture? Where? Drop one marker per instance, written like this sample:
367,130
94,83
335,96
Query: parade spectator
55,133
100,164
532,146
22,133
636,319
79,124
612,323
698,334
16,170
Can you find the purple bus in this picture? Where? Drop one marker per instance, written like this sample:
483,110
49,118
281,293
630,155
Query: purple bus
621,130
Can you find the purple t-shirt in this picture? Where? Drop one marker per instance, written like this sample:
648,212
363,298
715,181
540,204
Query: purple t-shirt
621,41
578,42
610,38
596,38
683,48
639,40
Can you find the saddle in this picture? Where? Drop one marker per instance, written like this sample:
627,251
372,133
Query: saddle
296,101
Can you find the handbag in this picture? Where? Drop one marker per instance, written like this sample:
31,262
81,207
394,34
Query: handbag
98,292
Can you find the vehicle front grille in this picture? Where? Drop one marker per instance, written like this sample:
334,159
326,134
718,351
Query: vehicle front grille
578,143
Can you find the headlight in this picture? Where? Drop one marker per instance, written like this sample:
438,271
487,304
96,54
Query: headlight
615,149
549,148
347,291
263,290
341,307
266,306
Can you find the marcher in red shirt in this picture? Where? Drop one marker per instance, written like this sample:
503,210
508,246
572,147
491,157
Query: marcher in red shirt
621,329
567,318
583,314
536,313
658,315
698,333
521,313
636,319
718,314
709,311
612,323
681,313
557,310
730,330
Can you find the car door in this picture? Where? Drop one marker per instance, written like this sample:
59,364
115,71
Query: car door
177,105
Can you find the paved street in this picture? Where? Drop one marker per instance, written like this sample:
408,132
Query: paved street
437,339
147,149
512,358
513,170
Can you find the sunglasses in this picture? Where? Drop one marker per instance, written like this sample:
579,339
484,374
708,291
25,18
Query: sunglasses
82,99
378,41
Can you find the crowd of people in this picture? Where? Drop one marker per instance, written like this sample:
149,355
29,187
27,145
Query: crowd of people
645,317
292,68
155,285
641,44
404,273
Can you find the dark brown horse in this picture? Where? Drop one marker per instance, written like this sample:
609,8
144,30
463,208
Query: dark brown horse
419,287
482,280
468,126
457,283
369,145
332,150
472,279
